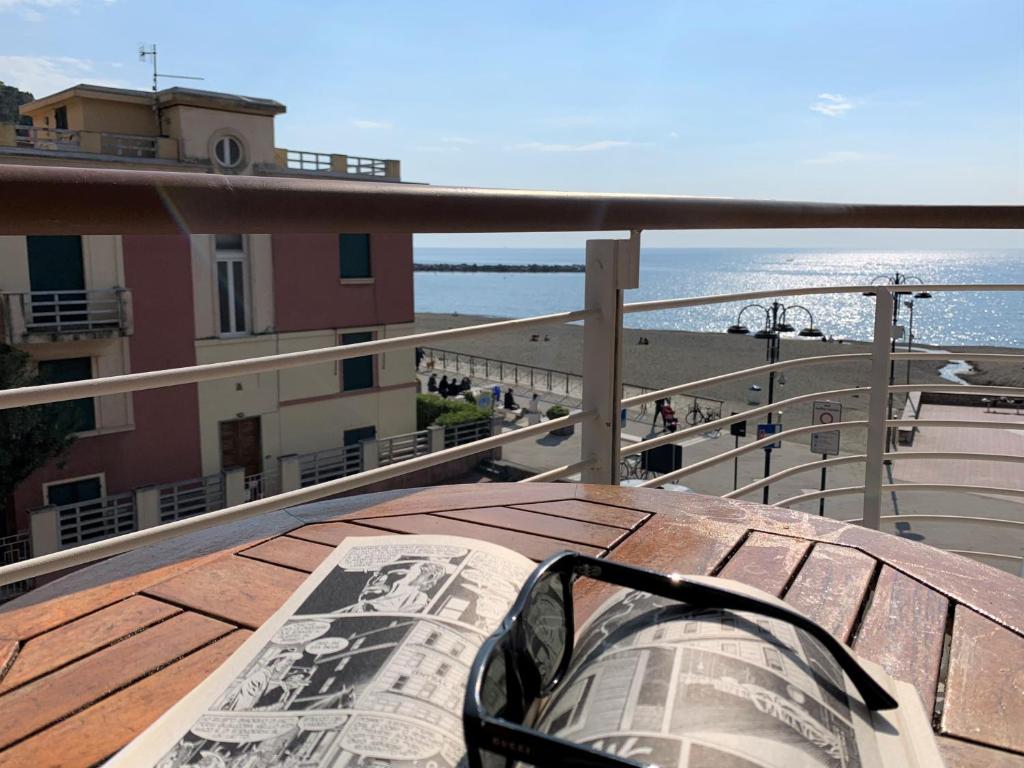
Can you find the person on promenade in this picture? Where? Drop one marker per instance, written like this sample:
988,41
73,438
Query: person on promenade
444,388
658,405
510,401
465,385
432,383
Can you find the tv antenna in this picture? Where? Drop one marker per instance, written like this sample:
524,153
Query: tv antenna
151,51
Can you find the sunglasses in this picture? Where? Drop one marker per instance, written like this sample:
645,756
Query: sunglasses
529,654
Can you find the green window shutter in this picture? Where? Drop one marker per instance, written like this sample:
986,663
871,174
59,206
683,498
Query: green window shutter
356,372
354,256
83,410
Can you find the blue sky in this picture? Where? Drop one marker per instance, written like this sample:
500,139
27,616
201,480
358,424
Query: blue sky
869,101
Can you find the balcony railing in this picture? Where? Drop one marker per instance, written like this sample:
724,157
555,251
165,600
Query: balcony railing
15,549
49,139
49,315
96,519
391,450
301,160
323,466
77,201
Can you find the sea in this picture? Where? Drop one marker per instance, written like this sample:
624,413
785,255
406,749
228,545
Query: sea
954,319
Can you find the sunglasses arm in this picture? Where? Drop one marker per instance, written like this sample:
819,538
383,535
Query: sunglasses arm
705,596
521,743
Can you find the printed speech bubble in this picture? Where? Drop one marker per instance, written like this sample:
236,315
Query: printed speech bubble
372,557
322,722
241,729
301,632
327,645
394,739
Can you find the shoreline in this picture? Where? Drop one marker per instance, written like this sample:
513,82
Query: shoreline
676,356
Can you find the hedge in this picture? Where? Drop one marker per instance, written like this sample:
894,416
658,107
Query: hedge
433,409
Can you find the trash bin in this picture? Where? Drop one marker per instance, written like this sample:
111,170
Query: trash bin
754,395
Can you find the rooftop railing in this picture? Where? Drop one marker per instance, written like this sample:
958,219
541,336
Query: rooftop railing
84,201
301,160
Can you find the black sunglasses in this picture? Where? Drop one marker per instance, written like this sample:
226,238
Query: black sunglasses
528,655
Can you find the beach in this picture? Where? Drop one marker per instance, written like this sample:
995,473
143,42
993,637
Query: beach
675,357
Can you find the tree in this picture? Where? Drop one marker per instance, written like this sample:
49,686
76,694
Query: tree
29,437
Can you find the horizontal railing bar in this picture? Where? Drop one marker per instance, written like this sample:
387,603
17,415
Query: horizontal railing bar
629,402
88,553
558,472
946,355
734,452
956,389
901,456
943,518
725,298
710,426
77,201
135,382
900,487
963,424
975,554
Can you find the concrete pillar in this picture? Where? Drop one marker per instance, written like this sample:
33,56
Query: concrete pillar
147,506
612,266
393,169
339,163
234,486
877,405
280,157
436,434
496,424
291,473
7,135
90,141
167,148
370,453
45,530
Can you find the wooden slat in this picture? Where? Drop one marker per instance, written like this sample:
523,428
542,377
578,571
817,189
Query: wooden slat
766,561
903,630
94,734
603,514
72,641
333,534
961,754
534,547
985,685
77,685
446,497
543,525
8,650
292,553
831,586
664,544
242,591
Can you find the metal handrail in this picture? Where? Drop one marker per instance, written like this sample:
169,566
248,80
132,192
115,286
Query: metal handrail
900,487
85,201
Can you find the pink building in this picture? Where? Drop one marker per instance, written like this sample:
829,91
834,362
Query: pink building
97,306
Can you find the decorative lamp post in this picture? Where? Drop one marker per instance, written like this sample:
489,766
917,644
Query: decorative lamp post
775,324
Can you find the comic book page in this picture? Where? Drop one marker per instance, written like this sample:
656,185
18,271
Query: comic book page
364,666
669,685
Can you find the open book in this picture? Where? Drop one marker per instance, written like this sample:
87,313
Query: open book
365,666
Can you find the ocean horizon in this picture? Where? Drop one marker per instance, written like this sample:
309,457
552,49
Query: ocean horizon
954,319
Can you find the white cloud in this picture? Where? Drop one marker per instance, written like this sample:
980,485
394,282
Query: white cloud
371,124
835,158
673,134
594,146
832,104
458,140
32,10
43,75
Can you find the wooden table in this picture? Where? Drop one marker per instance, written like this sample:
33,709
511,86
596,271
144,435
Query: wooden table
90,660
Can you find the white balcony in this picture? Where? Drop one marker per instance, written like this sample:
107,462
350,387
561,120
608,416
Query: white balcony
42,316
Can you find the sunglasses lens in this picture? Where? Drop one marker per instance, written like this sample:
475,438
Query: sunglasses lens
546,628
494,691
494,760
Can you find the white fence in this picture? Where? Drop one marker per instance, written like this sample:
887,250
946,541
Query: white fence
391,450
190,497
319,467
96,519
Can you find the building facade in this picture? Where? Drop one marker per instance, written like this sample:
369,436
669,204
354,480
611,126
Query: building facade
93,306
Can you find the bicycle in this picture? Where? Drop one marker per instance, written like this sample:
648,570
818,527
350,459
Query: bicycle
697,415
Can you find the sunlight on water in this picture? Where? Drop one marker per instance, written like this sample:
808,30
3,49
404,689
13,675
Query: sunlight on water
969,318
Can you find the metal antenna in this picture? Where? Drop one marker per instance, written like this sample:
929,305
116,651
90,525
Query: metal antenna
151,51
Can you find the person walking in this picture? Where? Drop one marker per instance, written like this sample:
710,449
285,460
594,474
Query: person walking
658,405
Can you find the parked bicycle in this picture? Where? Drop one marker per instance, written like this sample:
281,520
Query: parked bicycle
697,415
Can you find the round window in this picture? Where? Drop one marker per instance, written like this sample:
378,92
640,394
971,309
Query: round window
228,151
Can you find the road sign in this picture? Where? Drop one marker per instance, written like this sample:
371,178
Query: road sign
763,430
826,412
738,429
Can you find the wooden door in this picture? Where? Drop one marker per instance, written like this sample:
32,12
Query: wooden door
241,445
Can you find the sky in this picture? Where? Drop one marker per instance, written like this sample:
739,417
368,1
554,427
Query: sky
866,101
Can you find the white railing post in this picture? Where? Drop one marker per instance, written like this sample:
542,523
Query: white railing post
147,506
877,405
612,266
44,530
435,434
370,453
291,472
234,486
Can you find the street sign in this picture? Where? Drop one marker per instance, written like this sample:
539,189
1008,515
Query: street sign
826,412
764,430
738,429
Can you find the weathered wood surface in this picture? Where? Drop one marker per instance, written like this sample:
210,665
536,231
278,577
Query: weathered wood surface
89,661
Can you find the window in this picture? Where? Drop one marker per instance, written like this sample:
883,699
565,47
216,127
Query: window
83,410
354,256
356,372
74,491
232,284
60,118
227,150
356,436
400,682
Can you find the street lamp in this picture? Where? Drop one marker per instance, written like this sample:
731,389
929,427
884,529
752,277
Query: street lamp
775,324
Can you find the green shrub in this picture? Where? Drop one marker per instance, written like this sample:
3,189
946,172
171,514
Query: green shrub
557,412
469,397
433,409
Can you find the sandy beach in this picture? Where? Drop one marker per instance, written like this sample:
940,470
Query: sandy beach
674,357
